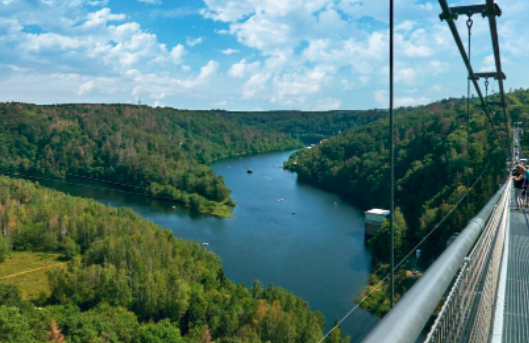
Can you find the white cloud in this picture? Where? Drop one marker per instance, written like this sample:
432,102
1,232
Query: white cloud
411,101
193,41
294,88
406,26
177,53
242,68
86,87
230,51
101,17
206,73
488,64
436,67
226,11
327,104
255,84
406,76
346,85
220,104
208,70
364,80
382,98
151,2
437,88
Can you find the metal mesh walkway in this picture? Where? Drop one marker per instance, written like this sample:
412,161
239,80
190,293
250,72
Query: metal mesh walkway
516,311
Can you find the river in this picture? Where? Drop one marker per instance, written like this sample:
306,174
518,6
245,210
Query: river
310,243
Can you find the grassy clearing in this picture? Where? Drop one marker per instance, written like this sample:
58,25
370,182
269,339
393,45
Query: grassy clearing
28,270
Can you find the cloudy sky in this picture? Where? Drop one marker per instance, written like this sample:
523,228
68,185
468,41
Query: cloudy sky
244,54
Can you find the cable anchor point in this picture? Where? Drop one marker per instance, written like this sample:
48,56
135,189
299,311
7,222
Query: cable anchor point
470,22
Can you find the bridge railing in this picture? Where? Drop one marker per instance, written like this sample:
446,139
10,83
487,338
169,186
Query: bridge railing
468,271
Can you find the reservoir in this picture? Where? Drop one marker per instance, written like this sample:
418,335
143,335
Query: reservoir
285,233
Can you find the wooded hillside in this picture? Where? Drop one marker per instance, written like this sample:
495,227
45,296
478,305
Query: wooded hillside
128,280
162,152
431,156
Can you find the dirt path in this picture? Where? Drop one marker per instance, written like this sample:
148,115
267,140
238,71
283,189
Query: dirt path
31,271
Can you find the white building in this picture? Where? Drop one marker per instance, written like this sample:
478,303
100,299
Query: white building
373,221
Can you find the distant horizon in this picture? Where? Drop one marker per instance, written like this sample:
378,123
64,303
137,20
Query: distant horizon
248,55
253,111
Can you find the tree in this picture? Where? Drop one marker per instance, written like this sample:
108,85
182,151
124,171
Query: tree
14,327
206,337
336,336
257,289
71,249
381,242
55,333
4,248
10,295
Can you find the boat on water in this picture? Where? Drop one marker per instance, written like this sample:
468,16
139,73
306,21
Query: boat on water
249,171
205,244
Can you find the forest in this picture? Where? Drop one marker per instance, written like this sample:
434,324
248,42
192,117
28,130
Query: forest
430,171
128,280
161,152
309,127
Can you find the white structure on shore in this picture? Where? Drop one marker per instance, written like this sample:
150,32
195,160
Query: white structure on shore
373,221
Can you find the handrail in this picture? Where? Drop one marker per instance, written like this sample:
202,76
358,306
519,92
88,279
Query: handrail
405,322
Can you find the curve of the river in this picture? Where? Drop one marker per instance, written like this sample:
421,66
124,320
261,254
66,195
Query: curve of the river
287,233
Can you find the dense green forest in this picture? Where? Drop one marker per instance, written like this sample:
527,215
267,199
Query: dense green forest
128,280
162,152
309,127
431,154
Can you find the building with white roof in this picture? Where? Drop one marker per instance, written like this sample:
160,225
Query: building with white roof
373,221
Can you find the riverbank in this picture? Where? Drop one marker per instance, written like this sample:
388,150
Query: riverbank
319,253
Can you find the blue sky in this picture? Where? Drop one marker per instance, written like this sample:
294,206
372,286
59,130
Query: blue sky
244,54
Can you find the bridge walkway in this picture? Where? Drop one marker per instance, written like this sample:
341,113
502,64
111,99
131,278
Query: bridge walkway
516,296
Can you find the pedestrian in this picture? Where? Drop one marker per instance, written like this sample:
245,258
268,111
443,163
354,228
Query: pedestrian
517,176
525,192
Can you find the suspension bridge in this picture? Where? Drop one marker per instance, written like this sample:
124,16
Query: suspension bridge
478,289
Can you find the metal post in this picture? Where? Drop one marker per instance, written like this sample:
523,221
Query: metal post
391,158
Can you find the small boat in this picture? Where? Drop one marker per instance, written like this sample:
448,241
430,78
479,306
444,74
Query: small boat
249,171
205,244
293,212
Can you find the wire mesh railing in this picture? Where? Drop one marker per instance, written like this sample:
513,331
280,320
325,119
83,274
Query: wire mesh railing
467,313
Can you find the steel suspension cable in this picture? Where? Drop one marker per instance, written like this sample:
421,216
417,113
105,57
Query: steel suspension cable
470,22
391,158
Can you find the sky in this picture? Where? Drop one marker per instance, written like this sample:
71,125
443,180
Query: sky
246,54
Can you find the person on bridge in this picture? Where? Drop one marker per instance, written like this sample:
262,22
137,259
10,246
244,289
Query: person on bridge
517,176
525,193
